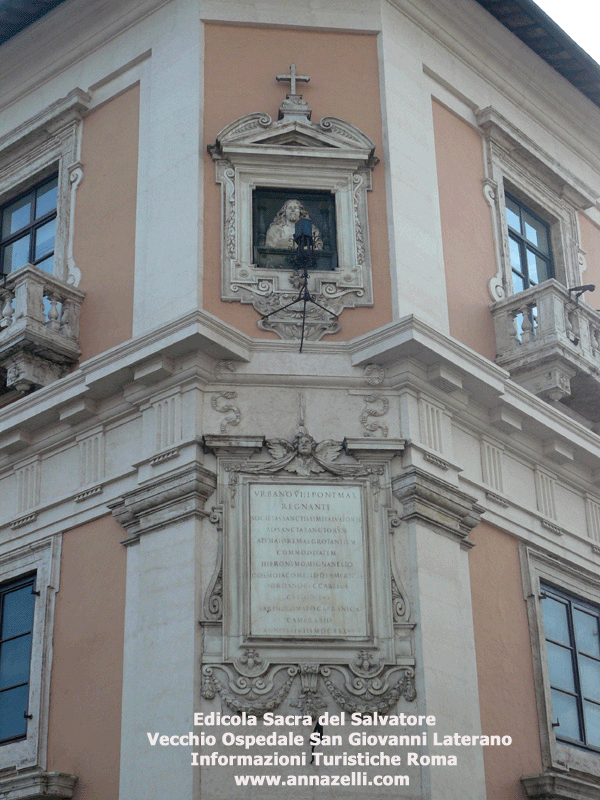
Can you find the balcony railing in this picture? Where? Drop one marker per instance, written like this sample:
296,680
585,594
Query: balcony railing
550,343
39,327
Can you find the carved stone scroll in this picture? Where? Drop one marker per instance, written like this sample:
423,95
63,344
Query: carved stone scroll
364,685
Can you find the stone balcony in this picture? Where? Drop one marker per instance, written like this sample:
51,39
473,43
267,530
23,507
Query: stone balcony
39,328
550,344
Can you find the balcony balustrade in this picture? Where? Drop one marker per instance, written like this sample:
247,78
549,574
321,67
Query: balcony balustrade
550,343
39,327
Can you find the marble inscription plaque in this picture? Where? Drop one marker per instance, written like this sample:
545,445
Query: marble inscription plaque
307,561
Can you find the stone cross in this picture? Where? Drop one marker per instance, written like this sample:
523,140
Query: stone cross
292,78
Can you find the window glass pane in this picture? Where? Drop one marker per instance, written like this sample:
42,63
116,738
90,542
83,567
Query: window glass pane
537,267
587,634
16,215
515,254
536,231
14,661
17,617
47,264
589,675
555,620
44,239
560,664
16,254
13,705
532,267
518,284
46,198
591,715
565,712
512,215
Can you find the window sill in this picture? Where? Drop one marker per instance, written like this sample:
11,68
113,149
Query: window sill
559,786
37,786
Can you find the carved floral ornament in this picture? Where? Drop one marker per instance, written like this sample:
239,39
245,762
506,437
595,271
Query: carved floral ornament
295,154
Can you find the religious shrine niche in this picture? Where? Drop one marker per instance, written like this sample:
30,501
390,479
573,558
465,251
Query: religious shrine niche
273,174
305,604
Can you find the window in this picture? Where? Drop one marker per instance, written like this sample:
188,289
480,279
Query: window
572,632
17,602
39,175
28,228
565,635
529,246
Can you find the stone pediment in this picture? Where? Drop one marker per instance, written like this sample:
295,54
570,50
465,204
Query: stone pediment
258,133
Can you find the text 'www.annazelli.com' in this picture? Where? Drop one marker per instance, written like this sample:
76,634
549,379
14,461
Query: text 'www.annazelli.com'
351,779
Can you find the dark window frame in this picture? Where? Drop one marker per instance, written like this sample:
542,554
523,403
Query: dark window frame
525,245
32,226
571,603
30,579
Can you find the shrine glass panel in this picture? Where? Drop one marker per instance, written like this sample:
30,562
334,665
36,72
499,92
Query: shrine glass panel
274,215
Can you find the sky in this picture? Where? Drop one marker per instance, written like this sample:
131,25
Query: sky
580,19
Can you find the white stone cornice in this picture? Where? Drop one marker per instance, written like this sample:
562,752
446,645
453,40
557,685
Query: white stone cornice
196,330
521,147
60,39
164,500
48,121
410,336
100,375
474,38
488,383
437,503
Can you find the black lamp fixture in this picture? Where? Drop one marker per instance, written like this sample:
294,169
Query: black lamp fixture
304,260
579,290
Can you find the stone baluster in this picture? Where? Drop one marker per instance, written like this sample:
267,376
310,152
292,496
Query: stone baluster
69,321
572,324
595,339
528,325
513,328
65,319
7,310
29,297
53,315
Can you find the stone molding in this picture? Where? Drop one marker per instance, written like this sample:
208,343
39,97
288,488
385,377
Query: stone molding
559,786
164,500
38,786
436,502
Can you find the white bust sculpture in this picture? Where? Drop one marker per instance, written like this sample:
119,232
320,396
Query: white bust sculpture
280,234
